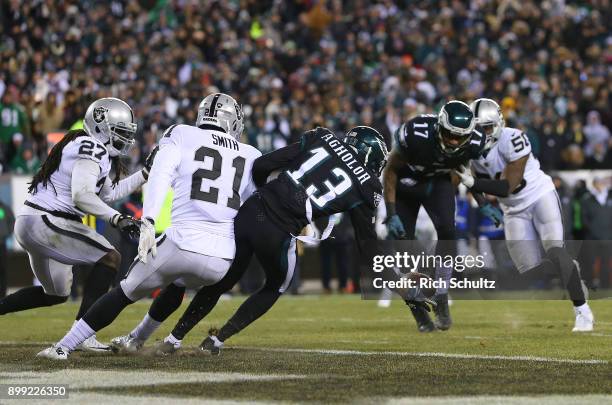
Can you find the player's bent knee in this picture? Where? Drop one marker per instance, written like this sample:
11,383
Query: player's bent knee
55,299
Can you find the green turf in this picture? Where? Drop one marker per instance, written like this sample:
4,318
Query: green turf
505,328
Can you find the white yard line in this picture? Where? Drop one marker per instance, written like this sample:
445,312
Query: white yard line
432,354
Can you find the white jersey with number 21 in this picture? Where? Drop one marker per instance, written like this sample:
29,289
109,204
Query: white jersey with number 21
513,144
210,173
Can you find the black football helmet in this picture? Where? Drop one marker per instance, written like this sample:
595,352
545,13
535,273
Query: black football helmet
370,147
455,126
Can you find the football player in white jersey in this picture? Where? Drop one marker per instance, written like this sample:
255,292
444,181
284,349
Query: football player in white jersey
74,181
210,172
532,212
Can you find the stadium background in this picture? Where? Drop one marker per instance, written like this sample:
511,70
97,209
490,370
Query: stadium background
297,64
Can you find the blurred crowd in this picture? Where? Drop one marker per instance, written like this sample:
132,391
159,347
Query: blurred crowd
296,64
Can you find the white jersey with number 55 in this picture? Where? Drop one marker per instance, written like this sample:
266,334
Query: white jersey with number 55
210,173
513,144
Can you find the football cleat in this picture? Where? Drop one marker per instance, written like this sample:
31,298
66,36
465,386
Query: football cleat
54,353
443,319
211,345
126,344
584,319
92,345
166,348
421,316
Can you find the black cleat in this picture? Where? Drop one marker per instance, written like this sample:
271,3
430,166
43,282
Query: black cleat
443,319
209,345
421,316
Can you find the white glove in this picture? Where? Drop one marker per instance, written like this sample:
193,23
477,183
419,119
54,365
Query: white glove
465,174
147,240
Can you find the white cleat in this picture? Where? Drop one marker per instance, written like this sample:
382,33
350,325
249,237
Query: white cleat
126,344
584,319
166,348
384,303
54,353
92,345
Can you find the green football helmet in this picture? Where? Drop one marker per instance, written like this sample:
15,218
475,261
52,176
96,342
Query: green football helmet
370,147
455,126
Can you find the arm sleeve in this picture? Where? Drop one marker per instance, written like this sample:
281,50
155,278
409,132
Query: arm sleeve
363,219
266,164
84,190
161,176
123,188
498,188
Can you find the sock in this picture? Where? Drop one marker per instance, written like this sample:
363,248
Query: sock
79,332
28,298
172,340
250,310
106,309
168,301
145,328
198,308
574,288
97,284
443,273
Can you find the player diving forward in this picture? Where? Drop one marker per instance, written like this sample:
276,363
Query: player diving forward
319,176
72,182
508,170
210,172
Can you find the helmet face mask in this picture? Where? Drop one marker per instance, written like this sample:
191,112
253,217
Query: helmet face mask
111,121
455,126
489,116
223,111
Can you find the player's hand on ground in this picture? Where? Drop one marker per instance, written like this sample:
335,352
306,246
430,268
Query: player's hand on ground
126,224
493,213
149,162
147,240
395,227
465,175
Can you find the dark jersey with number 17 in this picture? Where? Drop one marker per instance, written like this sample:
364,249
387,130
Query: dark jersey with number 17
418,143
319,176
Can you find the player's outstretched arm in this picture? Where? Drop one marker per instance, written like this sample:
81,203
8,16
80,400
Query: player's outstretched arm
113,192
266,164
512,178
393,221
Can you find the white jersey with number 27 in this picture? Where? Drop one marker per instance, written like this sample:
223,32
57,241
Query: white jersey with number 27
513,144
210,173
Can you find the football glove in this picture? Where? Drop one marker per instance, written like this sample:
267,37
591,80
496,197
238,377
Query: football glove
147,239
149,163
493,213
395,227
465,175
126,224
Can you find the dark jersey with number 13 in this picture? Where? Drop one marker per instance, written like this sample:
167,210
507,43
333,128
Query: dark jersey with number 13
319,176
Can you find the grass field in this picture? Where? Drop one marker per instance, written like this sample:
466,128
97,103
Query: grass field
336,349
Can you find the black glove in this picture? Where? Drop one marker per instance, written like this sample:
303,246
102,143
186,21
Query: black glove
425,304
149,162
126,224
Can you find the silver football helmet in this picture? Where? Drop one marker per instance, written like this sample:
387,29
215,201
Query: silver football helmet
223,111
489,116
111,121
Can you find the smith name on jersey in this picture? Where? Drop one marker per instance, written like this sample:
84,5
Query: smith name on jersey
321,174
57,194
210,173
513,145
417,142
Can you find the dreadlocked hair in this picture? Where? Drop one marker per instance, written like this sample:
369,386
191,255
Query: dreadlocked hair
119,167
52,162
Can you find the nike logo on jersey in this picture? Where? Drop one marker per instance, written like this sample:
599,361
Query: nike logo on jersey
347,157
225,142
